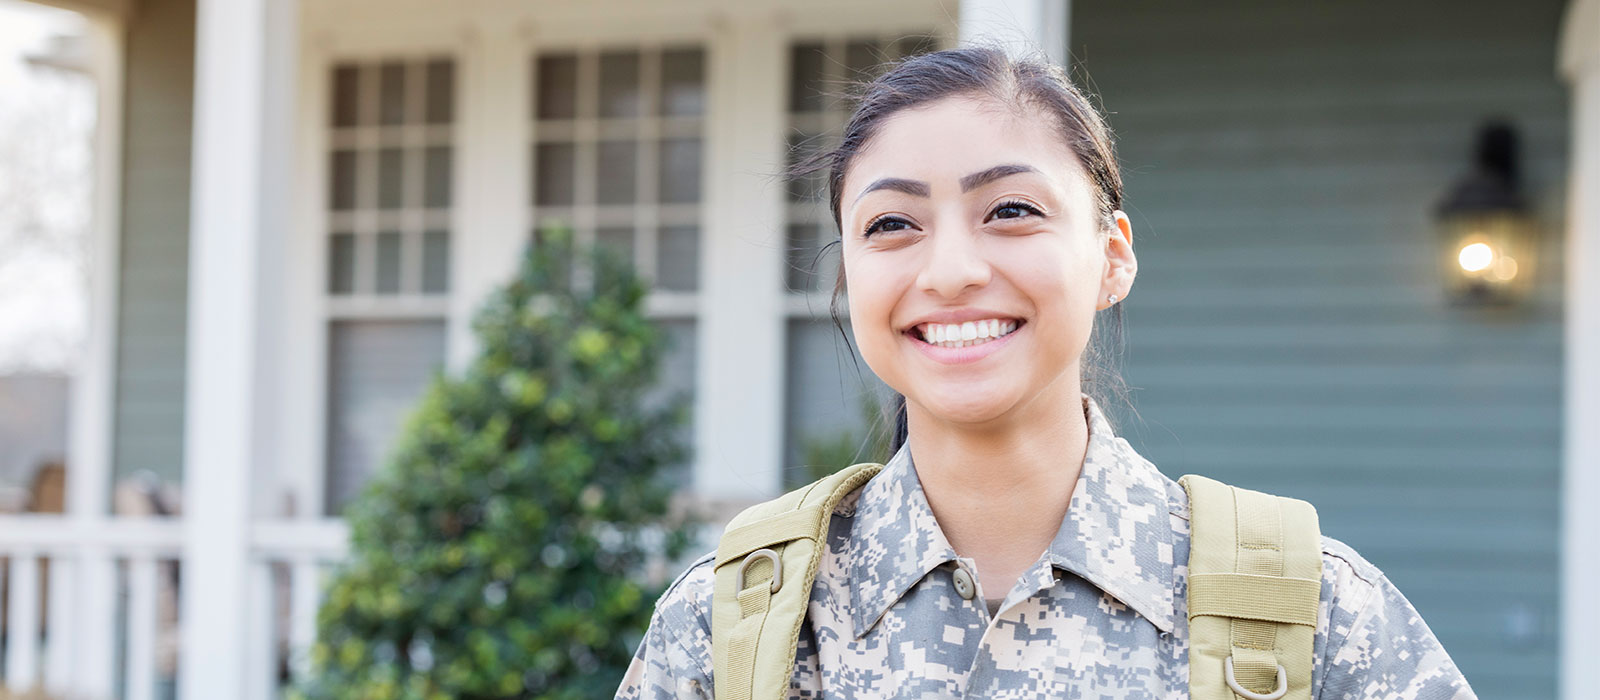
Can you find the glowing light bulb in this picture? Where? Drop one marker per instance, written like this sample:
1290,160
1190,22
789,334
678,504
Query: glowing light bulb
1476,257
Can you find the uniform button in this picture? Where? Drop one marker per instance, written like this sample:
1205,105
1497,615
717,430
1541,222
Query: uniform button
964,585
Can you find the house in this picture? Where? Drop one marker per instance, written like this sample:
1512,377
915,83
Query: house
300,204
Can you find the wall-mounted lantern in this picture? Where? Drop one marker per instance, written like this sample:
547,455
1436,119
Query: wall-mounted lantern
1488,237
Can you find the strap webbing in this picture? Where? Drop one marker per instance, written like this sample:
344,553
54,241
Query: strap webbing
1260,553
1290,601
1255,580
802,523
754,603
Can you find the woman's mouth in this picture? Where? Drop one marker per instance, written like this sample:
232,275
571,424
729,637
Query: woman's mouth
961,335
963,343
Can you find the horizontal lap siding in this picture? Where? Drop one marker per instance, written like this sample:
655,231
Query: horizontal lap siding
153,271
1287,331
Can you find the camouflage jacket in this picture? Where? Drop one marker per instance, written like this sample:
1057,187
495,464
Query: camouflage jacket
1099,615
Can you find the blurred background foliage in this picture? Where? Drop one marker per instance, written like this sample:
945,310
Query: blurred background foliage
500,553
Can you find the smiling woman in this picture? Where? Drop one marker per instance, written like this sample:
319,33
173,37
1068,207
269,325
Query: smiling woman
1014,546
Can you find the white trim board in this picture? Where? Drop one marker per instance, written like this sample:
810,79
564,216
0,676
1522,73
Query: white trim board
1580,527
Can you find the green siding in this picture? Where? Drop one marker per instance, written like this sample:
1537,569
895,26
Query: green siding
1287,331
153,271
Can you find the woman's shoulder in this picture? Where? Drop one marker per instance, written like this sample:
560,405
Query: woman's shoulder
1374,642
1350,575
674,658
685,606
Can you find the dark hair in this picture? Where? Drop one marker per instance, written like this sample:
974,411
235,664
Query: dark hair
1028,83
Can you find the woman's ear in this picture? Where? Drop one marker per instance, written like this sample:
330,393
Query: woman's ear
1121,265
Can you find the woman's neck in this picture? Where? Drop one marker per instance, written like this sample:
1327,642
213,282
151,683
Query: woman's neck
1000,490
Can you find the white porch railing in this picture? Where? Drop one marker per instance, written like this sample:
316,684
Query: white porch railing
91,608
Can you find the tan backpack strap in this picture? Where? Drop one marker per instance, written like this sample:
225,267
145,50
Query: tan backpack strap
766,563
1255,579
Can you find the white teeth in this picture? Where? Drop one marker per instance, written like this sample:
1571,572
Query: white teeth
966,334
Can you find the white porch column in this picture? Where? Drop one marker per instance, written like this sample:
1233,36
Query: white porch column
235,227
1021,27
1580,527
739,389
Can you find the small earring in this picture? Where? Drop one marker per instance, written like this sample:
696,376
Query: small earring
1112,298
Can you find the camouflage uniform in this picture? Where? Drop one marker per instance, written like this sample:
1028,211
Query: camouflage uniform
1099,615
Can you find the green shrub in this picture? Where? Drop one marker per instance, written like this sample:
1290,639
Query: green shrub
499,552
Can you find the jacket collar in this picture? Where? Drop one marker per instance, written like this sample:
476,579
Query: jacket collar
1117,533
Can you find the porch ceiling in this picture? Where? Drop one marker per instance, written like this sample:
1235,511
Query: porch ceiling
115,8
598,18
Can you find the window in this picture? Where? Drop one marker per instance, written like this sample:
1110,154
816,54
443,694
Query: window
616,155
826,399
388,220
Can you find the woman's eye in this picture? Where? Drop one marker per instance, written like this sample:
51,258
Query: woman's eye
1013,210
887,224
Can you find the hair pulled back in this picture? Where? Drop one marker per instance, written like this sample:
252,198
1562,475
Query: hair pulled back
1028,85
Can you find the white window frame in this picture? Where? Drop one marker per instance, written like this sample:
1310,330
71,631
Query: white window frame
309,308
587,132
411,222
367,220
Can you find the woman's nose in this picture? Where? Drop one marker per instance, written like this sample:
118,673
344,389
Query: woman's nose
954,264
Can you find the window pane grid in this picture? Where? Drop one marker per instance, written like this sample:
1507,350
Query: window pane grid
391,151
616,150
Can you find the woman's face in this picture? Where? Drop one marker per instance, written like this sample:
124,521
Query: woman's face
965,218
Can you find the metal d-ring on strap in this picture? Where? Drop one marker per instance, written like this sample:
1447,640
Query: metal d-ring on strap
777,567
1283,683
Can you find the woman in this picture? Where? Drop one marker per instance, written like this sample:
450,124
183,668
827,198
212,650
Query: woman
1013,546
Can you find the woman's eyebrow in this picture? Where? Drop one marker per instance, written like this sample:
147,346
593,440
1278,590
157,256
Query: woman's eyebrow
915,188
979,179
918,188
